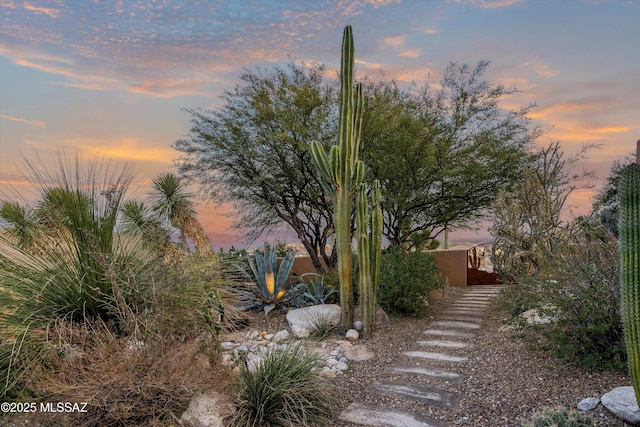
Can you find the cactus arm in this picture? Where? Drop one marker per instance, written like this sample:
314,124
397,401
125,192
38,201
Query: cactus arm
357,121
345,139
376,239
319,158
630,267
366,290
335,165
358,174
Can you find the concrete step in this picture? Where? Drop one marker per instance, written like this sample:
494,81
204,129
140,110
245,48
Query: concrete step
465,313
380,416
454,324
429,355
421,370
464,307
460,317
472,303
446,333
432,396
444,343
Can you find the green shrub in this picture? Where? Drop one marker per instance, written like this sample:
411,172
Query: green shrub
580,288
559,418
284,390
406,282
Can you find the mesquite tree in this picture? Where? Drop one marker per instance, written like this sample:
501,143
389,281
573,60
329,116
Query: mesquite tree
342,173
630,265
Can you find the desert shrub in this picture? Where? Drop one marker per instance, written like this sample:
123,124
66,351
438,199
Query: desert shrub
587,294
559,418
406,282
579,287
64,263
125,380
284,390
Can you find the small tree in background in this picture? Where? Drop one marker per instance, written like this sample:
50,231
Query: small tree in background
527,220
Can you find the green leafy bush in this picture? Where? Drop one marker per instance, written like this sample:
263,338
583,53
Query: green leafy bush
284,390
559,418
406,282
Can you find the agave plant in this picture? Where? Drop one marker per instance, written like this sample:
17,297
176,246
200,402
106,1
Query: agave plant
270,282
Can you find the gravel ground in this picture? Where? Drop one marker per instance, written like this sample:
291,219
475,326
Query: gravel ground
503,382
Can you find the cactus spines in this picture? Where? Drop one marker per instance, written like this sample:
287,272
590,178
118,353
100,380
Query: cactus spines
630,265
342,173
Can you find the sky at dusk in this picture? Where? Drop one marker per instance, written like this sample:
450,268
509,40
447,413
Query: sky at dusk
112,77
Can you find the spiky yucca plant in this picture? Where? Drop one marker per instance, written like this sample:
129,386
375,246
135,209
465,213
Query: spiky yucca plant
630,265
342,173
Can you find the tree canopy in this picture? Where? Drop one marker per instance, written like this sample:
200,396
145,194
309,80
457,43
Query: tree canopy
253,152
441,155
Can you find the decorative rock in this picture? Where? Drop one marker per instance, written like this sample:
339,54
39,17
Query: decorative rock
358,353
352,334
382,318
300,331
621,402
227,345
280,336
340,366
357,325
253,335
268,337
310,317
207,410
331,361
588,404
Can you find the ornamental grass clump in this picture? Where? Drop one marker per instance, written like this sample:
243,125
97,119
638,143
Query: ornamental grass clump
559,418
284,390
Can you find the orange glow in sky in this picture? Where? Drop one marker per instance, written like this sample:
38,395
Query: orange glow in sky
112,78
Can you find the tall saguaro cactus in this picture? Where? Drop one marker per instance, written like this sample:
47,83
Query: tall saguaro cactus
342,172
630,265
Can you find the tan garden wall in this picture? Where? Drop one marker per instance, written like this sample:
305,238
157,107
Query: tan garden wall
452,264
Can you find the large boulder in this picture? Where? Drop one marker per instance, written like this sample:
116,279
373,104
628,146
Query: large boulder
304,320
207,410
622,403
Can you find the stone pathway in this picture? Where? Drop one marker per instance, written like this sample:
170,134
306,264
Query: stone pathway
438,356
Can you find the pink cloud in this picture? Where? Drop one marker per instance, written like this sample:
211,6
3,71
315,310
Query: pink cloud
37,123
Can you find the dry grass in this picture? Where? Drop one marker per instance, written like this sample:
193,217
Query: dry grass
127,382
